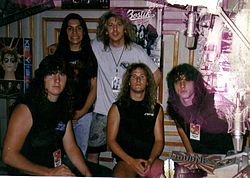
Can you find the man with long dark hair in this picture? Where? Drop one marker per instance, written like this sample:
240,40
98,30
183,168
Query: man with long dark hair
192,107
40,132
40,138
74,46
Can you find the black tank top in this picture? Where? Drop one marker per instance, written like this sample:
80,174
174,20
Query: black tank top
46,134
136,130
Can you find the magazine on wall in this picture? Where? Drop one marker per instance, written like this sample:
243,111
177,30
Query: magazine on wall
16,65
147,24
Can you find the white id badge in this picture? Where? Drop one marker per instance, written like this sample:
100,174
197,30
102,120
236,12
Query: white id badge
195,131
116,84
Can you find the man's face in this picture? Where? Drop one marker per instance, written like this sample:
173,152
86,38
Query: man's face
115,30
54,84
75,32
9,63
138,81
185,91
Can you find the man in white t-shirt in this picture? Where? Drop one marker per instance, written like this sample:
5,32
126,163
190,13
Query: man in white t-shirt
114,50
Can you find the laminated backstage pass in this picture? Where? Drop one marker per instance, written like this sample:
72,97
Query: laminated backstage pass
57,157
195,131
116,84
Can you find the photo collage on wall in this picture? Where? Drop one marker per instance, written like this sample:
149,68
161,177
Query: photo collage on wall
147,24
16,65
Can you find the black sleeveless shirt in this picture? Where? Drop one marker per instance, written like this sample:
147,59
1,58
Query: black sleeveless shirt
46,134
136,129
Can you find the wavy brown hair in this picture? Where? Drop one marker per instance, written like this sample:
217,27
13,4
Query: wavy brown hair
101,34
150,92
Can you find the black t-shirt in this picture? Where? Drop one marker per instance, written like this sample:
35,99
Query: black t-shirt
83,67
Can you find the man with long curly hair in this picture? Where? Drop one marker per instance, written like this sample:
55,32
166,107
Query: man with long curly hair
135,126
114,49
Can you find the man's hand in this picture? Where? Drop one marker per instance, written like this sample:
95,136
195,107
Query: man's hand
61,170
77,116
139,165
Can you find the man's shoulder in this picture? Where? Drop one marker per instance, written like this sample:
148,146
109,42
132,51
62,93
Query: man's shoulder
137,50
135,46
95,43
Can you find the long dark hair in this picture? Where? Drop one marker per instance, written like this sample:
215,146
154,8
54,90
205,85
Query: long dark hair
150,92
63,46
37,94
191,74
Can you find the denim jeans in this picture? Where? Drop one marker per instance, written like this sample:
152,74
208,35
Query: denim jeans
81,130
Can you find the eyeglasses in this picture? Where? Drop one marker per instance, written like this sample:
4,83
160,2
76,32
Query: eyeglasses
10,60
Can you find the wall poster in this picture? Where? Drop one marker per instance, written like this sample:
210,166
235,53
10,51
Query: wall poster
16,65
147,22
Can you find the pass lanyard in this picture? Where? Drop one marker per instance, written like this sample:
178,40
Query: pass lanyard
116,63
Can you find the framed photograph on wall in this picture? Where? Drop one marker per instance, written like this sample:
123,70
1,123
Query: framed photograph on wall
147,23
85,4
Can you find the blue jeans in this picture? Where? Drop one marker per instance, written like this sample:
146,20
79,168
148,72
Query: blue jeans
81,129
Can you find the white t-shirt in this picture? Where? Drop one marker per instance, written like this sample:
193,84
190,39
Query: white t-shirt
108,62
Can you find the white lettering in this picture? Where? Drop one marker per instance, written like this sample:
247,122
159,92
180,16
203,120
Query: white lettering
139,14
